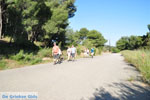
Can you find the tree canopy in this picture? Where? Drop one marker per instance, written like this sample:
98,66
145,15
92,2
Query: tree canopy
36,20
148,27
96,38
88,38
27,21
134,42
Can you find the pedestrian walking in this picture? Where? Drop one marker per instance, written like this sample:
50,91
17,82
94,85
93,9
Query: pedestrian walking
60,59
86,52
55,53
92,52
73,52
69,53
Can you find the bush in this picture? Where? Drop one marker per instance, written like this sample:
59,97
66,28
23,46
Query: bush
105,49
87,43
100,49
115,50
64,52
46,52
80,49
28,57
36,60
25,58
140,59
2,64
19,56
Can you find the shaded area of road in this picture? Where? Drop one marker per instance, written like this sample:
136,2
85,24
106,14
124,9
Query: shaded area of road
127,91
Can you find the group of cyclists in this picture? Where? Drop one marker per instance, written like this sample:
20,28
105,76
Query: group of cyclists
71,53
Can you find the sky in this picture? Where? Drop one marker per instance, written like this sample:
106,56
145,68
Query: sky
113,18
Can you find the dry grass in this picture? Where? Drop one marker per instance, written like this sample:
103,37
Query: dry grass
141,60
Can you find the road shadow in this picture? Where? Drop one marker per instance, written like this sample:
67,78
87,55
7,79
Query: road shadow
131,67
125,92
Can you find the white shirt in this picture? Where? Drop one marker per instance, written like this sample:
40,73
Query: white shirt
73,50
59,52
68,50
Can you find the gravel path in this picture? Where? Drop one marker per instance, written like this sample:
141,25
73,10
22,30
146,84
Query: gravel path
105,77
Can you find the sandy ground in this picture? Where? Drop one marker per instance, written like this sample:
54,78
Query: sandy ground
105,77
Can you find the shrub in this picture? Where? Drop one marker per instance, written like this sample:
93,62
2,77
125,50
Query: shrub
87,43
36,60
80,49
115,50
140,59
19,56
2,64
105,49
46,52
98,51
28,57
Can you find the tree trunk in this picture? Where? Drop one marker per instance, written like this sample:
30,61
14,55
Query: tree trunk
0,21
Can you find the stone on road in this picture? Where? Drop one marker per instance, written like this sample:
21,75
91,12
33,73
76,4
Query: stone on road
105,77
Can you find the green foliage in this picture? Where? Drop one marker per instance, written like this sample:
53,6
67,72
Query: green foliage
19,56
83,33
46,52
13,26
100,49
134,42
115,50
57,22
80,49
72,37
105,49
129,43
123,43
35,61
37,20
3,64
148,27
96,38
85,37
140,59
69,36
25,58
146,40
28,57
87,43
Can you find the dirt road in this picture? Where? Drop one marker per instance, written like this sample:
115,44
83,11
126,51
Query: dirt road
105,77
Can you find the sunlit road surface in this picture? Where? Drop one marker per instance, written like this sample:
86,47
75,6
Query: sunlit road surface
105,77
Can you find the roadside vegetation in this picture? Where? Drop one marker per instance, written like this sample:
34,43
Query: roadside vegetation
14,55
136,50
134,42
141,60
28,29
13,59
